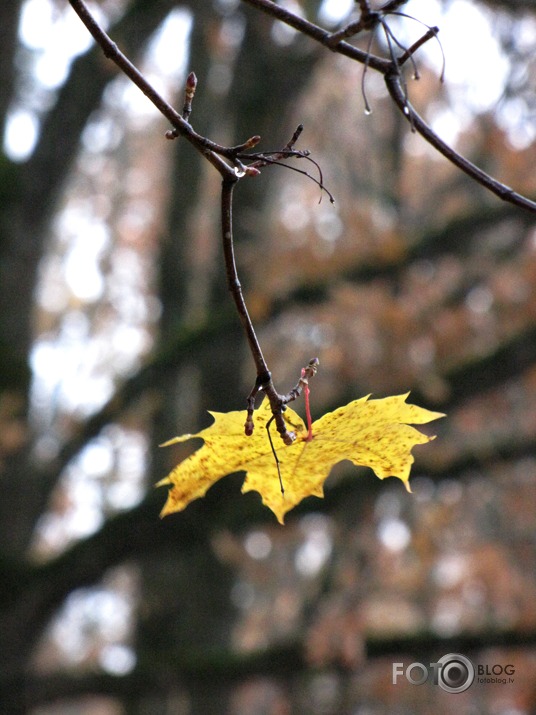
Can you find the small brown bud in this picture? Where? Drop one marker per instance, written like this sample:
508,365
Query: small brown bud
191,81
252,141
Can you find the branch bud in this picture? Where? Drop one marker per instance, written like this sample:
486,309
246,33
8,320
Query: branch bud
191,82
189,91
252,141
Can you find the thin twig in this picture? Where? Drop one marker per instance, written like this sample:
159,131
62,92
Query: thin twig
307,372
266,159
277,462
264,380
317,33
431,32
352,29
233,282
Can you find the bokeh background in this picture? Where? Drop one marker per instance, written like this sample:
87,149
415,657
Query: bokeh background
117,332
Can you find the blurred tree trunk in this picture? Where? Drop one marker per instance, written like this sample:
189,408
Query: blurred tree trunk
28,195
28,198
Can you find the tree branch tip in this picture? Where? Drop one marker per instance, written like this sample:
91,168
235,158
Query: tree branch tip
235,152
309,370
189,93
191,80
295,137
289,438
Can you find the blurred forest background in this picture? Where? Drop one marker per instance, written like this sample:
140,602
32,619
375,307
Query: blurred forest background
117,333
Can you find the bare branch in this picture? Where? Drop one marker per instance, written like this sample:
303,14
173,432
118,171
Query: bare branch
233,282
264,380
428,35
393,83
391,70
318,33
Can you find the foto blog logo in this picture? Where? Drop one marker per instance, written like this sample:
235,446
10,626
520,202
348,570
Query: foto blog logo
453,673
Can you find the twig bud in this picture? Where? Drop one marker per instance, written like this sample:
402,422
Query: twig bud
191,82
252,141
189,91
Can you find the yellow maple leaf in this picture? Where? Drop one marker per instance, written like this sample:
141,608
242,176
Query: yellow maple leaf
371,433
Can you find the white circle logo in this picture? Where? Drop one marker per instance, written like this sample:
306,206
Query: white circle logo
456,673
